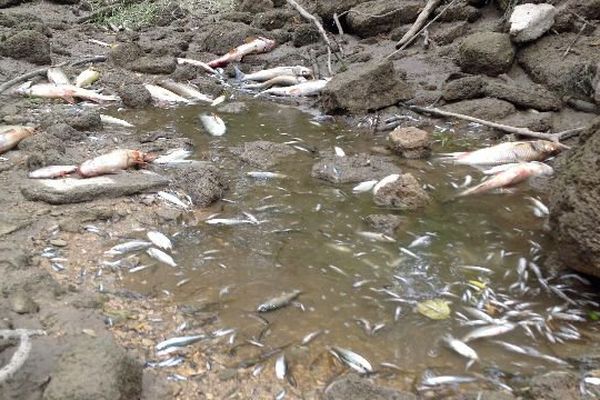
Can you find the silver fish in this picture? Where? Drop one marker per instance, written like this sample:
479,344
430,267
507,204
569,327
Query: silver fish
388,179
461,348
107,119
228,221
180,341
267,74
87,77
339,151
280,367
185,90
57,76
488,331
171,198
376,236
364,186
163,95
308,88
353,360
160,240
214,125
310,337
278,302
265,175
447,380
128,247
52,171
161,256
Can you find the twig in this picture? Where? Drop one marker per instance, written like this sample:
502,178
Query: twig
418,24
20,356
44,70
336,19
555,137
416,35
575,40
370,15
17,333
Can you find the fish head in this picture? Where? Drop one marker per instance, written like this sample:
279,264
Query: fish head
548,148
266,44
542,169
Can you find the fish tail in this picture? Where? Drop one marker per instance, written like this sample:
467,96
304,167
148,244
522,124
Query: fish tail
239,75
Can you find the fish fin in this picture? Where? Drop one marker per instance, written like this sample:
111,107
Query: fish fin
452,155
239,75
68,98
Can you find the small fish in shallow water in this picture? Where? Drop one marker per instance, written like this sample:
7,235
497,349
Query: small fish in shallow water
228,221
173,157
387,180
171,198
461,348
353,360
364,186
10,136
447,380
185,90
87,77
510,177
310,337
65,92
107,119
265,175
218,101
214,125
160,240
128,247
489,331
181,341
308,88
376,236
162,95
258,45
339,151
281,367
52,171
57,76
268,74
278,302
161,256
509,152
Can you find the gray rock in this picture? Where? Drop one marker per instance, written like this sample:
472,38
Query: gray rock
9,3
365,21
326,9
255,6
489,395
220,37
237,107
13,257
238,16
575,205
489,53
273,19
354,168
356,388
134,95
530,21
365,87
410,142
385,223
71,190
460,11
125,53
262,154
66,132
154,65
22,303
555,386
486,108
28,45
202,181
305,34
404,194
82,120
95,369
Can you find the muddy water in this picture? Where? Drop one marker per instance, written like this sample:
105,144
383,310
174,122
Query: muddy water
308,225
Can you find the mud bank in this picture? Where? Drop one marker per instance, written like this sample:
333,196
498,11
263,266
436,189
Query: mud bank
100,337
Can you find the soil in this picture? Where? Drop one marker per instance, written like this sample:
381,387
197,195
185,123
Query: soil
103,335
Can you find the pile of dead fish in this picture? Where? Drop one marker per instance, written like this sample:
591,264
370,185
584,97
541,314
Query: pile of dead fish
157,246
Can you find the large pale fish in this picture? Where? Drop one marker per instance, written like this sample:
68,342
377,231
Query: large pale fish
185,90
52,171
66,92
159,240
509,152
214,125
510,177
107,119
353,360
87,77
284,80
385,181
259,45
11,135
489,331
161,256
308,88
57,76
267,74
197,63
163,95
112,162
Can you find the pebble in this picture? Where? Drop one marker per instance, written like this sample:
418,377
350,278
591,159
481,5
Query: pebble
58,242
21,303
227,374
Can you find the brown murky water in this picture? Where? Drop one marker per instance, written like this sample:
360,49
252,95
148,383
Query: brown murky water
308,225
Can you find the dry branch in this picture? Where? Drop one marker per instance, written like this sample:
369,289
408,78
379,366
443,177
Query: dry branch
42,71
22,353
418,24
555,137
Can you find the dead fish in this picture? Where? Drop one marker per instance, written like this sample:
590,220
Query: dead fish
66,92
180,341
304,89
353,360
171,198
214,125
539,205
163,95
376,236
529,351
128,247
424,240
364,186
488,331
161,256
284,80
228,221
281,367
265,175
461,348
447,380
339,151
107,119
87,77
278,302
11,135
499,168
173,157
185,90
57,76
388,179
160,240
510,177
115,161
259,45
197,63
267,74
218,101
52,171
310,337
509,152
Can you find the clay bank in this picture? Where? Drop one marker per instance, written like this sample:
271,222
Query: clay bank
385,199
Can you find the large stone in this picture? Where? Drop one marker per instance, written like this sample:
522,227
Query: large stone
489,53
154,65
28,45
354,168
134,95
575,205
125,53
220,37
365,19
558,385
255,6
486,108
71,190
404,194
410,142
365,87
326,9
357,388
385,223
273,19
530,21
262,154
95,369
202,181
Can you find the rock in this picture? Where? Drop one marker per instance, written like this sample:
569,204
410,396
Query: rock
49,148
9,3
543,60
530,21
365,19
237,107
82,119
12,256
410,142
489,53
365,87
273,19
447,33
154,65
220,37
326,9
262,154
186,72
125,53
355,168
58,242
574,204
70,190
28,45
404,194
134,95
95,369
357,388
488,395
22,303
305,34
65,132
385,223
557,385
486,108
255,6
460,11
238,16
202,181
